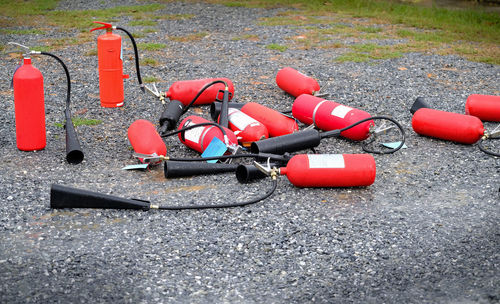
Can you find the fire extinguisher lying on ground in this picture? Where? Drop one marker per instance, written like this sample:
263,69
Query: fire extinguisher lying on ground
30,109
318,170
295,83
484,107
459,128
110,61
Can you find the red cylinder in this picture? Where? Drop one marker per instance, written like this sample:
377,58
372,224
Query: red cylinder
246,129
145,139
295,83
29,107
484,107
330,170
276,123
110,59
199,138
456,127
328,115
186,90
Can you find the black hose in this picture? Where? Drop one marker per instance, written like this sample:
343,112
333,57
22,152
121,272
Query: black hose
280,158
74,152
195,126
230,205
365,145
136,53
481,146
186,108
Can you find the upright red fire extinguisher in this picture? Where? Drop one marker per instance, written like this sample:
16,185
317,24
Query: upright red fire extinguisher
30,109
110,61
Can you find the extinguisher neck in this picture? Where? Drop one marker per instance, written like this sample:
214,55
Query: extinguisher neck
282,171
27,60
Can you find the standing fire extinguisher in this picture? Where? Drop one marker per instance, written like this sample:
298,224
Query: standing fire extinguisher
30,108
110,61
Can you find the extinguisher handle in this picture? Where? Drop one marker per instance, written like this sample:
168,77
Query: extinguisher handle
106,25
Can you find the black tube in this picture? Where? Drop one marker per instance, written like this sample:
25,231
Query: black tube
183,169
206,86
170,116
216,107
248,173
297,141
136,54
66,197
74,152
418,104
224,119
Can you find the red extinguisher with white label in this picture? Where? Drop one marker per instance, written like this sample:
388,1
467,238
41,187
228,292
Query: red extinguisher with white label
199,138
110,61
329,115
327,170
295,83
246,129
484,107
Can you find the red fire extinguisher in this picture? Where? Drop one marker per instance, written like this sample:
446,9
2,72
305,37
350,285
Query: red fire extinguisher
29,107
295,83
145,140
246,129
276,123
484,107
329,115
199,138
110,61
327,170
186,90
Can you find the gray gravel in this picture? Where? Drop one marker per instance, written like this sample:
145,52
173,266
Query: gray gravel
425,232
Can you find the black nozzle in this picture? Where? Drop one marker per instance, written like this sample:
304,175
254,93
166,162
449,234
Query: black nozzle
248,173
185,168
216,107
171,115
297,141
419,104
74,152
67,197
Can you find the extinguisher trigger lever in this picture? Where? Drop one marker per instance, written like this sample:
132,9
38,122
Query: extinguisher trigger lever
381,129
154,91
495,133
267,170
150,158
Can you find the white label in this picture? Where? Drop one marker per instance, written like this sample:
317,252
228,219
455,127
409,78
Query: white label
327,161
193,135
239,119
341,111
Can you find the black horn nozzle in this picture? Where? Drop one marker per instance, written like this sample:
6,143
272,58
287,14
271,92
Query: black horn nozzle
192,168
67,197
297,141
418,104
216,108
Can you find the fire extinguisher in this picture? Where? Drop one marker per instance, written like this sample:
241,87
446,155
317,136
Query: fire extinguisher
30,108
199,138
110,61
329,115
276,123
484,107
326,170
246,129
295,83
144,139
185,90
459,128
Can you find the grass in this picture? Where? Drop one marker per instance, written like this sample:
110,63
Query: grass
142,23
78,121
246,37
277,47
149,79
21,32
149,61
151,46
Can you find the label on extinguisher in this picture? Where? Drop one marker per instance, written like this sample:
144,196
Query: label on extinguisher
327,161
194,134
239,119
341,111
121,52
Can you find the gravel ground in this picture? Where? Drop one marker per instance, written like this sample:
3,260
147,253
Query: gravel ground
425,232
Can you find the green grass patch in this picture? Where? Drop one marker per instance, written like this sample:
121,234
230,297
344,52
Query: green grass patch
149,30
175,16
142,23
151,46
149,61
78,121
369,29
276,47
246,37
149,79
91,52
